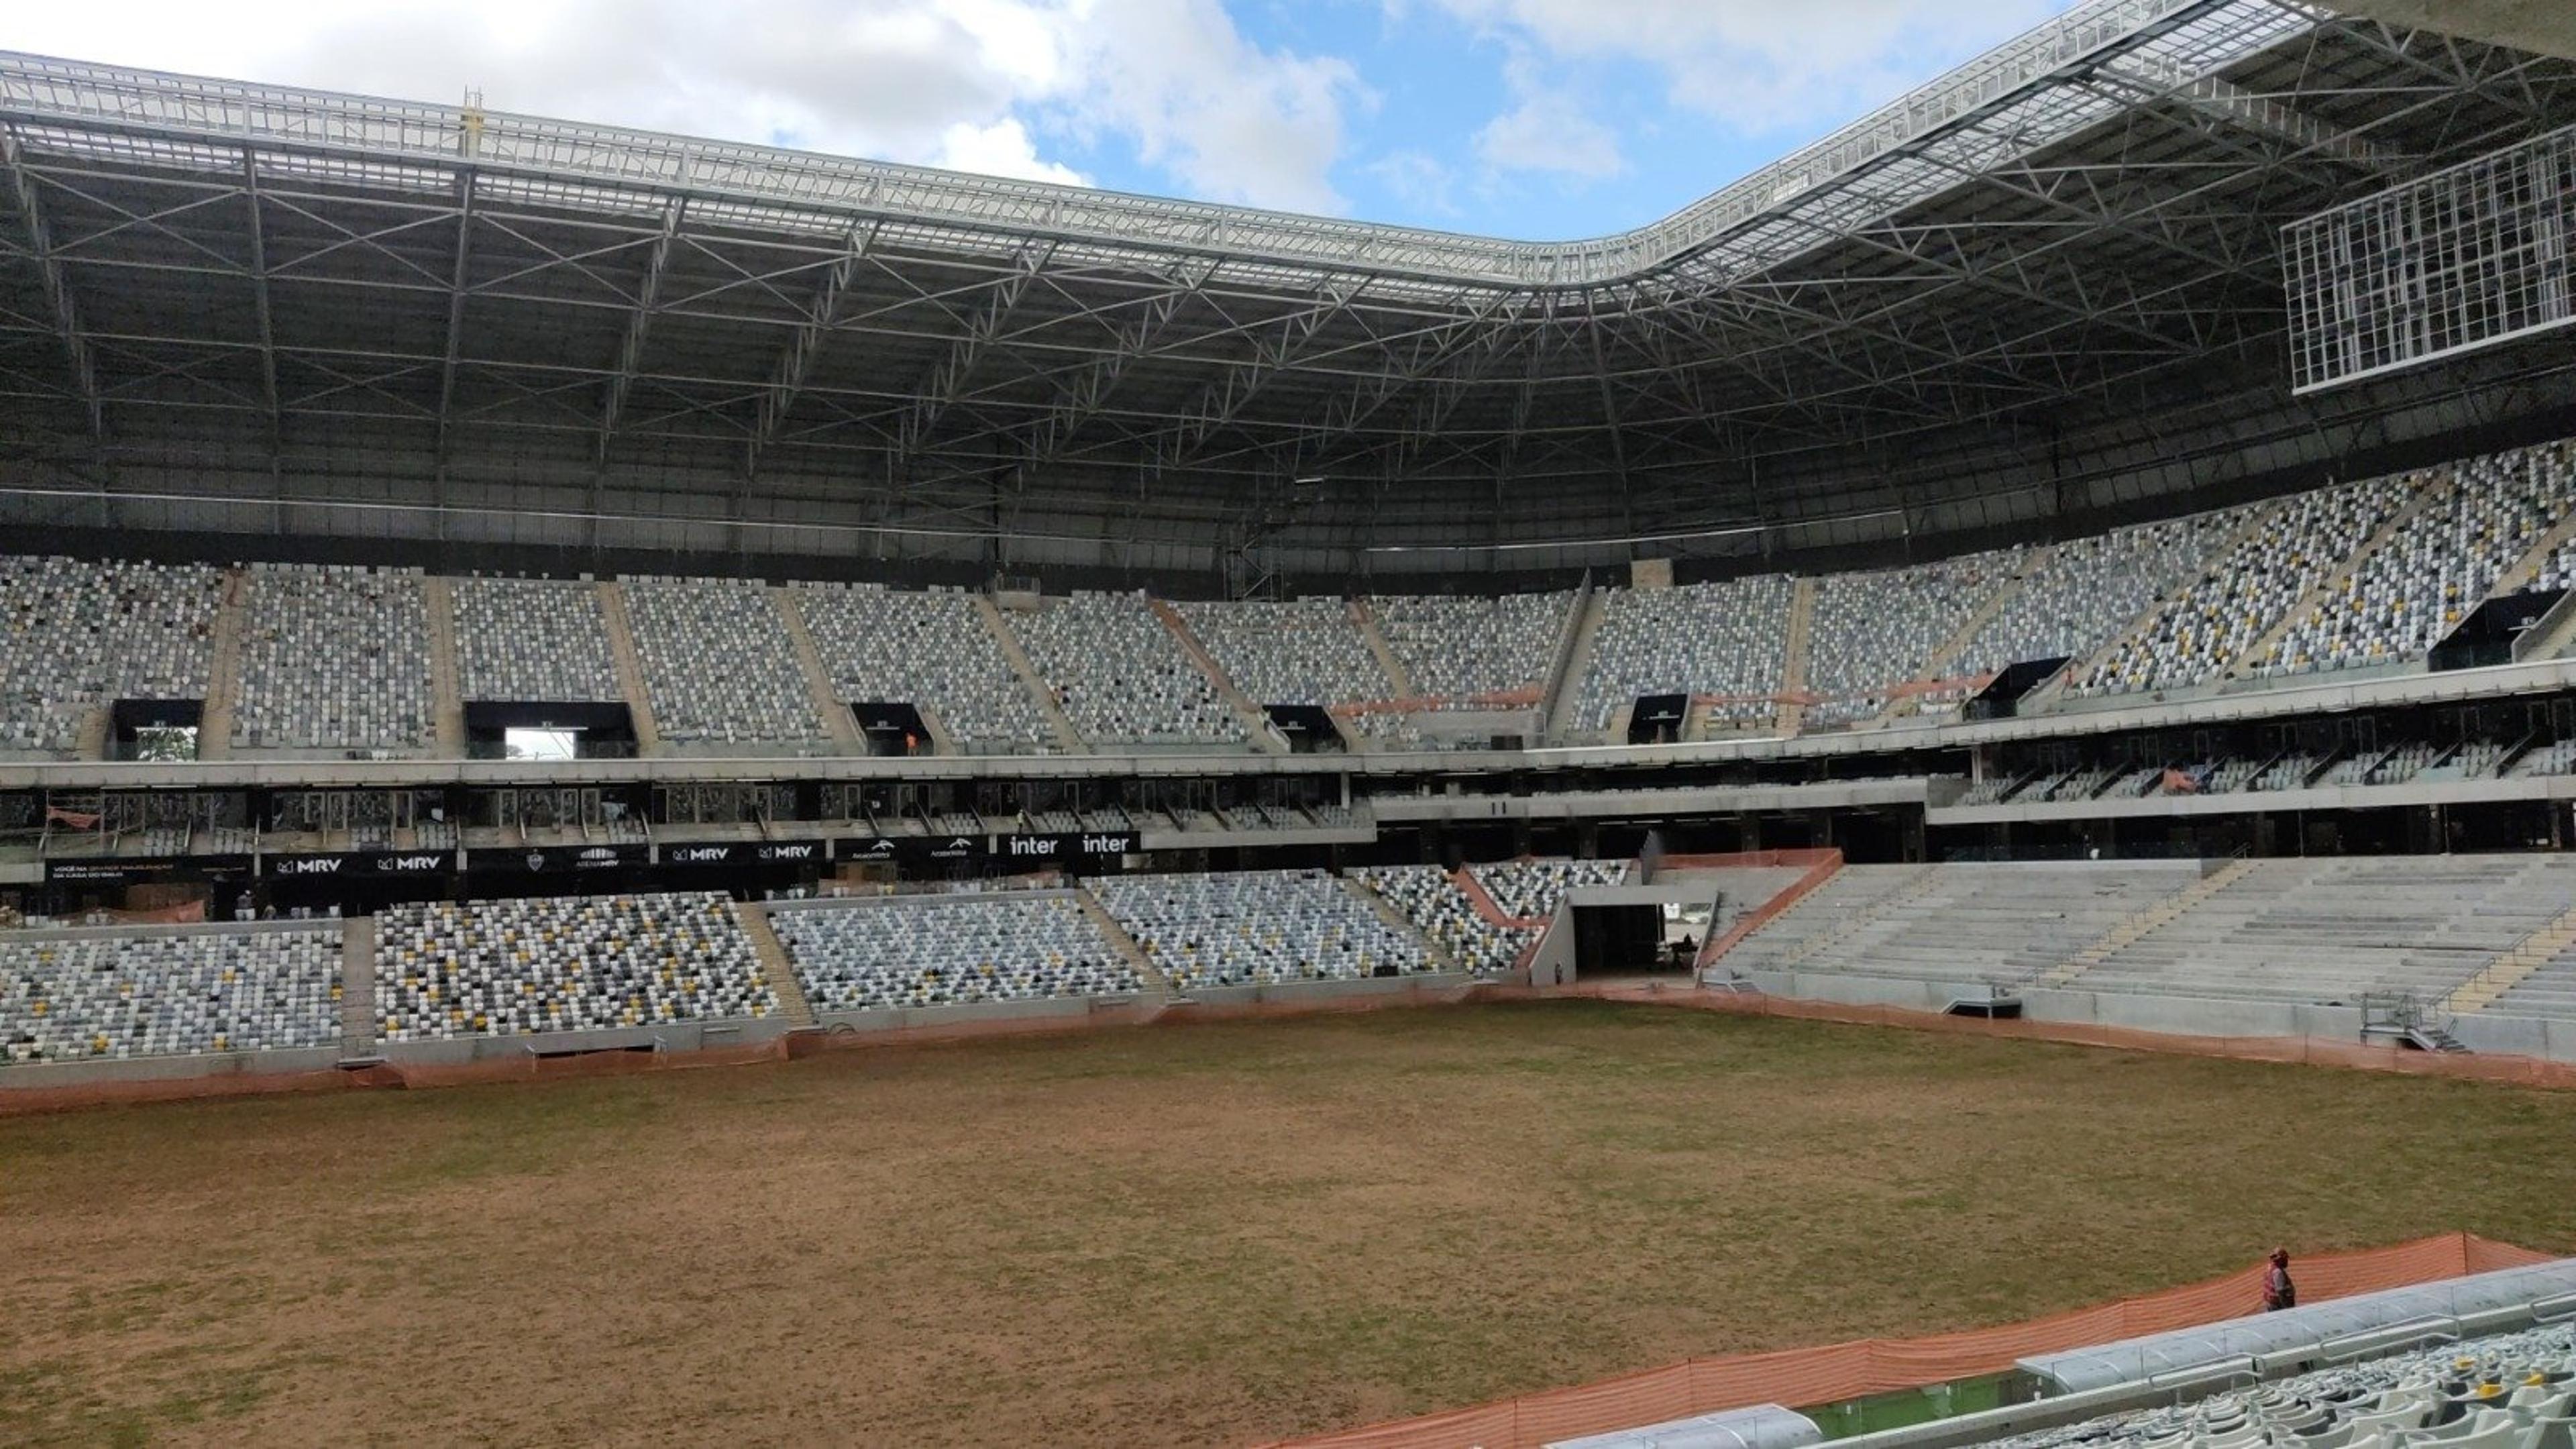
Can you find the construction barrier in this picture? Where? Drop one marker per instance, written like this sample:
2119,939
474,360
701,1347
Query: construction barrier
1832,1373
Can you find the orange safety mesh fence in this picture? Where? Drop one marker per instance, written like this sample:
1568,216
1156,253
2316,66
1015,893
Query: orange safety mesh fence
1832,1373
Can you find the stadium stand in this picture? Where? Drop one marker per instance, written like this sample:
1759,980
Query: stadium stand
2082,592
333,658
532,640
884,645
717,665
1429,898
1534,888
77,998
1873,631
1722,639
1289,651
1960,923
2504,1391
517,967
1455,648
944,951
2278,559
2395,605
1256,928
75,636
1121,676
1425,896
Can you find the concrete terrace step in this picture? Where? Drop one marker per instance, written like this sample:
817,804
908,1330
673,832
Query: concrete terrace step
838,722
775,965
1021,665
2514,967
1157,986
223,672
447,693
1862,916
2139,923
357,986
1256,720
630,668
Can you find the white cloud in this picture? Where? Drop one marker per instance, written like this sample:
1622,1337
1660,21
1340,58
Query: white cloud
1001,149
1418,179
978,84
1763,65
1546,129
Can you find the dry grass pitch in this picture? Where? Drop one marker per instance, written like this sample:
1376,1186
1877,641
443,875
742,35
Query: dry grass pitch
1211,1234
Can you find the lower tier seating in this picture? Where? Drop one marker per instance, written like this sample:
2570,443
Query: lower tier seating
167,994
1964,923
1257,927
945,951
502,968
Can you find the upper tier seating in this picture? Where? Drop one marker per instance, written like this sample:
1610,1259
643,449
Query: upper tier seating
1875,630
1257,927
76,636
2401,600
168,994
1703,639
2083,592
717,664
2331,930
2504,1391
333,658
505,968
886,646
943,951
533,641
1289,651
1121,676
2281,555
1457,648
1963,923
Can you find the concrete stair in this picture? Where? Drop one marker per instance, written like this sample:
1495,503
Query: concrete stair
630,668
1399,921
1256,721
2510,969
1924,876
941,741
1945,658
1158,987
1398,678
774,966
357,986
1794,656
2134,926
2556,640
447,696
2388,533
1039,689
223,670
838,722
1559,716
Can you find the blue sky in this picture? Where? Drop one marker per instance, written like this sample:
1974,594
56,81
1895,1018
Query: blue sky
1525,118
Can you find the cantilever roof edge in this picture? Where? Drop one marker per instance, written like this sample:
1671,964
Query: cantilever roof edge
80,97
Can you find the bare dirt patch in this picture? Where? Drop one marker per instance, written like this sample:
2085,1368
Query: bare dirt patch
1197,1235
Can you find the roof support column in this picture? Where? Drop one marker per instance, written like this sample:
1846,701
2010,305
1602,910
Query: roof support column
58,291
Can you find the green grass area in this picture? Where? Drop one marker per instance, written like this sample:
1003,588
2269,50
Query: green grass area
1189,1235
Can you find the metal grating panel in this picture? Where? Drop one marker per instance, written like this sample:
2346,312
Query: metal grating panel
2462,259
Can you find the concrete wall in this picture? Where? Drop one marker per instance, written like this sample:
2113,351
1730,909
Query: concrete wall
36,1075
669,1036
1314,991
911,1018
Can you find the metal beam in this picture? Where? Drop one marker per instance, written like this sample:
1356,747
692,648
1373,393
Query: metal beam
938,390
58,290
639,322
458,276
260,301
796,363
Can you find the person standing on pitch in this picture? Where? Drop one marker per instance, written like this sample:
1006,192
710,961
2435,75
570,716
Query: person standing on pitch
2278,1291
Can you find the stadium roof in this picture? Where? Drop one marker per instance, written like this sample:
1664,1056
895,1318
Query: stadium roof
493,326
